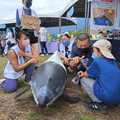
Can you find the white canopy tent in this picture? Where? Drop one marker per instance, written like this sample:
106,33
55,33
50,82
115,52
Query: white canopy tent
43,8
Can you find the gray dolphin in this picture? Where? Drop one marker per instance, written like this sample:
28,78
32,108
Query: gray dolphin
48,82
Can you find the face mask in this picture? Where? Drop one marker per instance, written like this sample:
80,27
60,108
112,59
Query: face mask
26,42
84,50
65,43
28,5
94,56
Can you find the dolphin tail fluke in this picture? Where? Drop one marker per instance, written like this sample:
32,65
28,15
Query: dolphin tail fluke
71,99
22,92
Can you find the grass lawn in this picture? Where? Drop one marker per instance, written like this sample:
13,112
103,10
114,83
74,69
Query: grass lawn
25,108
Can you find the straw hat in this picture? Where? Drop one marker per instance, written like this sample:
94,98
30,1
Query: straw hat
105,48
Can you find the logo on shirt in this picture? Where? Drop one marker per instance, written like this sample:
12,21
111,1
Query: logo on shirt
28,51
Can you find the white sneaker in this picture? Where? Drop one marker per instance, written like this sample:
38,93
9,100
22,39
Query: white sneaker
1,80
46,54
42,55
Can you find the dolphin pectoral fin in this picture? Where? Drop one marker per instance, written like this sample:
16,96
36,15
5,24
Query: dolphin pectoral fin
71,99
22,92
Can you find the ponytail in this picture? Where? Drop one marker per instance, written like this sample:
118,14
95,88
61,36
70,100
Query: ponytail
19,33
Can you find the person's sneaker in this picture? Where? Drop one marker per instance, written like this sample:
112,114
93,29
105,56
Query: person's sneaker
1,80
42,55
28,83
46,54
97,106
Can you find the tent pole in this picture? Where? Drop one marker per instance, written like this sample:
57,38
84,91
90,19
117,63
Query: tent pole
60,25
76,30
76,27
88,10
85,14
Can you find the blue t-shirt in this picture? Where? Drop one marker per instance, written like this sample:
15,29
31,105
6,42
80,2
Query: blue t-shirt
107,86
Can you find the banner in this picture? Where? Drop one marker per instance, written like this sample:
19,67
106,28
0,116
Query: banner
70,13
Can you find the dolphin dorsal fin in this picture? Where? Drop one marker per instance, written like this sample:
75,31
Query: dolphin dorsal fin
56,58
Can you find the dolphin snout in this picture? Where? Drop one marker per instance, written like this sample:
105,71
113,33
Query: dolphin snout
44,96
43,101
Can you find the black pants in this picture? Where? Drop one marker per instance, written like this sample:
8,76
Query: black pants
43,46
1,50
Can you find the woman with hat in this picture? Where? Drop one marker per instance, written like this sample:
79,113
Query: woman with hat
101,80
65,48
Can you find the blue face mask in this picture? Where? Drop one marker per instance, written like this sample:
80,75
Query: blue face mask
65,43
28,5
94,56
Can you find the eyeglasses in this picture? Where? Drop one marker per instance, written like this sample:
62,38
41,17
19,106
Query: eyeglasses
83,46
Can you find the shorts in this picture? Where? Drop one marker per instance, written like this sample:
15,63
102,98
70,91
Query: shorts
33,39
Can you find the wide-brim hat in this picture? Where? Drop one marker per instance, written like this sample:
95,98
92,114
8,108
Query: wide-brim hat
105,48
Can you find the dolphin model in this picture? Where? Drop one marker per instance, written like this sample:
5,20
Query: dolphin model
48,82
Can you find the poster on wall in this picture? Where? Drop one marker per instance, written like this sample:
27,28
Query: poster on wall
103,17
107,1
119,20
118,14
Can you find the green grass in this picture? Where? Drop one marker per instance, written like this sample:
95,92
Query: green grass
1,105
70,76
43,58
85,96
15,116
3,62
50,108
77,116
21,83
62,100
73,113
74,105
31,116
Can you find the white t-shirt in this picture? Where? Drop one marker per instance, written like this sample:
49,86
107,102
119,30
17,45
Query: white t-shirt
43,34
10,37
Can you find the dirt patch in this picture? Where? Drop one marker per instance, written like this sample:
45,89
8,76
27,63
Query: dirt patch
25,108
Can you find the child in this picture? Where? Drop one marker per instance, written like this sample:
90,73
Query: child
21,59
26,10
103,86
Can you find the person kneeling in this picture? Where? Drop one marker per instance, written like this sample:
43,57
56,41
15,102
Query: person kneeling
65,48
103,86
21,59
